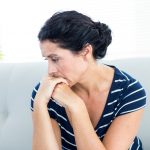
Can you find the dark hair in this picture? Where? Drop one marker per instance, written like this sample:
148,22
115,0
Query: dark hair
73,30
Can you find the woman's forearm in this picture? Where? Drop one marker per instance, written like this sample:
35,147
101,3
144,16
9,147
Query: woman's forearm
43,134
85,135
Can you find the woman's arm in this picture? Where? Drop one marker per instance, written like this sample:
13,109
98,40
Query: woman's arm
85,136
44,137
120,135
43,134
57,132
123,130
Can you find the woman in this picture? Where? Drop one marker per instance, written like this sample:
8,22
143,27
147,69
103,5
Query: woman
82,104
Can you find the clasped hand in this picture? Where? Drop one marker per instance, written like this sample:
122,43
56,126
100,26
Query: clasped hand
58,89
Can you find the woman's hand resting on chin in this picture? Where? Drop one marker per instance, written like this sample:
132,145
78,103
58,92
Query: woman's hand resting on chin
58,89
46,88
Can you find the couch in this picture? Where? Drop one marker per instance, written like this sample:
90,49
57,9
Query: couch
16,83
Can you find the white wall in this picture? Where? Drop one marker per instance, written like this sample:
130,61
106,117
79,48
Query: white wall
20,22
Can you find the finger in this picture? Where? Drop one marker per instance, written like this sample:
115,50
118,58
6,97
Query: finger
53,81
60,80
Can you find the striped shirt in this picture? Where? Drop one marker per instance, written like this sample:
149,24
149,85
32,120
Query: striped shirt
126,95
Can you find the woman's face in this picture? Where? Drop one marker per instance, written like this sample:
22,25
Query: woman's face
63,63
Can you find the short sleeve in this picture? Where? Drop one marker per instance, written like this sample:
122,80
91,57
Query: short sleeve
33,95
133,98
53,107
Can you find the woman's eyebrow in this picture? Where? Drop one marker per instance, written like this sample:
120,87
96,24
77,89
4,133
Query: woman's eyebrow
51,55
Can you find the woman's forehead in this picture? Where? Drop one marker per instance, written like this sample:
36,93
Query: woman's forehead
48,45
50,49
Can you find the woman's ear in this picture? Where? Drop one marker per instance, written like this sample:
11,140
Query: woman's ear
87,51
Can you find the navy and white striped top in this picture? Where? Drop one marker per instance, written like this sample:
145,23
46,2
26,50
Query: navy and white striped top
126,95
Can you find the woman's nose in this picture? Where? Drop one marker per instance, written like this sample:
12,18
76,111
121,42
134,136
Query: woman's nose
52,70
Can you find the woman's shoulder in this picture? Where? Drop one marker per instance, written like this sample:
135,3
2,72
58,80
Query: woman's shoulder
124,77
129,82
133,95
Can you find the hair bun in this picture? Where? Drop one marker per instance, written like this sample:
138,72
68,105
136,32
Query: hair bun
105,38
103,29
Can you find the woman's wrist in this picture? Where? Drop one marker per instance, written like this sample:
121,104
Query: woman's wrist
39,104
41,100
77,106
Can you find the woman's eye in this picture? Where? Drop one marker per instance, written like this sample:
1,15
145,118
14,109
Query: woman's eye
52,59
55,60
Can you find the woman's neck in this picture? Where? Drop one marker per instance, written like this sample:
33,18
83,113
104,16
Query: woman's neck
97,78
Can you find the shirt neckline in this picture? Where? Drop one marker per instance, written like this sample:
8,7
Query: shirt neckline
108,97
